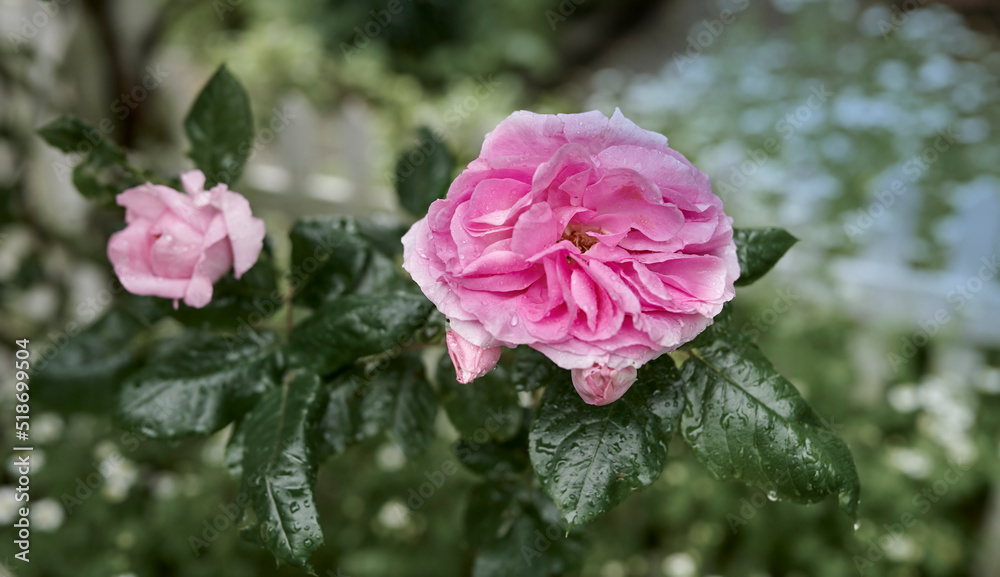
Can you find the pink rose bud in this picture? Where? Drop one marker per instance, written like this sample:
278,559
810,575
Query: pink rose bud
601,385
178,245
471,361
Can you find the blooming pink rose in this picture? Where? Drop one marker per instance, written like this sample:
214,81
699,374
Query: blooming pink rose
471,361
600,384
177,245
586,238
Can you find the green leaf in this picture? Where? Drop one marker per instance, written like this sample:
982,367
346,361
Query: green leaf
759,249
340,424
102,175
484,409
423,173
340,332
386,237
238,304
495,460
200,386
399,398
518,533
70,134
220,128
331,258
393,395
103,171
82,370
235,448
533,370
279,468
745,421
589,458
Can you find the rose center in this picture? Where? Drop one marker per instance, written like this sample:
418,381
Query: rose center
580,238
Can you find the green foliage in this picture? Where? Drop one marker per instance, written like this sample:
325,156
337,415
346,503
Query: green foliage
495,460
758,250
83,369
279,469
103,171
202,384
398,398
519,533
220,128
533,370
486,407
423,173
590,458
331,257
745,421
340,332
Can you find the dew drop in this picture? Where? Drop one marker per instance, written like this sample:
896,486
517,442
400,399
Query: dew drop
857,525
772,496
513,322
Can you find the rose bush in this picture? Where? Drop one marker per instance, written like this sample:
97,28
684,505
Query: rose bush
586,238
177,245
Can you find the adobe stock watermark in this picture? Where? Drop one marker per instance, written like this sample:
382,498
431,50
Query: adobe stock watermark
706,32
900,14
913,169
762,321
562,13
957,298
381,19
32,25
922,503
785,128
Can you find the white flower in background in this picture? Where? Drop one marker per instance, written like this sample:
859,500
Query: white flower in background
120,474
8,506
47,515
105,449
614,568
46,427
912,462
166,486
393,515
679,565
390,458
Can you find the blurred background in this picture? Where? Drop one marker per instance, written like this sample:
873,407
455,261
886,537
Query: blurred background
869,130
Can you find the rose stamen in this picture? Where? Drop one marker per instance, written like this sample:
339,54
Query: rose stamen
580,238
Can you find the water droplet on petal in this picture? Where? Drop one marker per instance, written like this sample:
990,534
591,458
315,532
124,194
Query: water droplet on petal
513,322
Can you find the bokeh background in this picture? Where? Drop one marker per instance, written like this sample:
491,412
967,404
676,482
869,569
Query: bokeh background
868,130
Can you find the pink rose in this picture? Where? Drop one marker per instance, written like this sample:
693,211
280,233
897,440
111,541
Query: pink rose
586,238
177,246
